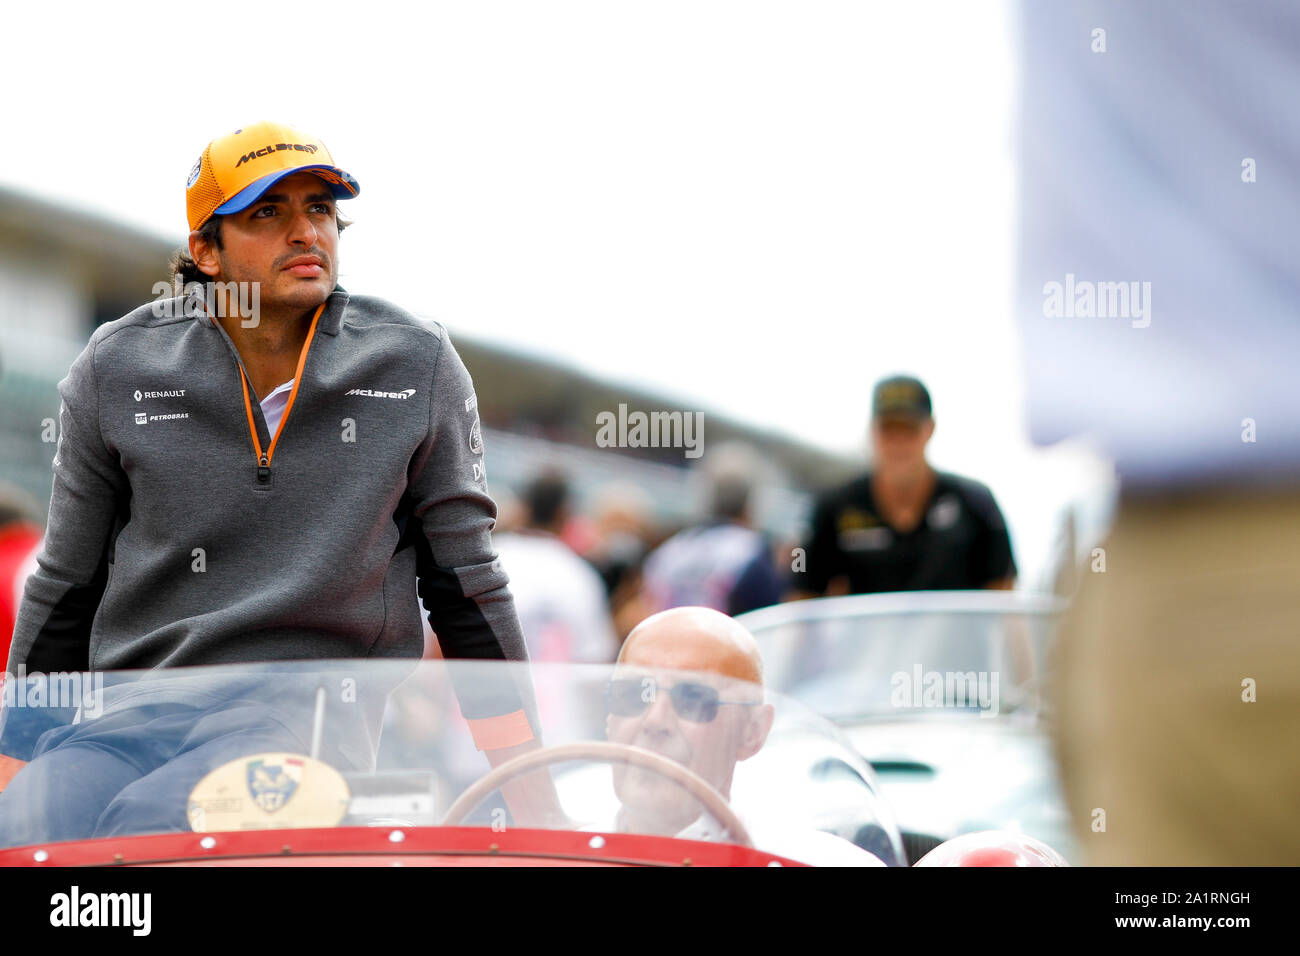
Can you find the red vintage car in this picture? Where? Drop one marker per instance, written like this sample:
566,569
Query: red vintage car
348,763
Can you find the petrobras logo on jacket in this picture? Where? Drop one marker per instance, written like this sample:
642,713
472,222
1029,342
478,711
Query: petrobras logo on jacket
373,393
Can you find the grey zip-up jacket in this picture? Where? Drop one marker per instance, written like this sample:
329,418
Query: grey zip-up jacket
170,544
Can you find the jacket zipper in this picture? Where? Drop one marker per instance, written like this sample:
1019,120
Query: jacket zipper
264,457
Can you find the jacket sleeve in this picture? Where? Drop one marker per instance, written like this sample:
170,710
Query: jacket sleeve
463,586
60,598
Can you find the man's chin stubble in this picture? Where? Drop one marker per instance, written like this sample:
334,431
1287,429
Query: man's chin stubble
304,295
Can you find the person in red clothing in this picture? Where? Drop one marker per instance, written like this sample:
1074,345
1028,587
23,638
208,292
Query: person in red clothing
20,537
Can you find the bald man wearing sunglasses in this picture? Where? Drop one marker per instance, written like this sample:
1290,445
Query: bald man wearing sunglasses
689,686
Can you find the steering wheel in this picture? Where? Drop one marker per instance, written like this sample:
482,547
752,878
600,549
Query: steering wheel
699,788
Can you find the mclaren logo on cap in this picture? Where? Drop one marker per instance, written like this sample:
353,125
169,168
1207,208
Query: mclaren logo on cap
265,150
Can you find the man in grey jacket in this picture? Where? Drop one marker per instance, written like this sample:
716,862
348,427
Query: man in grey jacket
261,472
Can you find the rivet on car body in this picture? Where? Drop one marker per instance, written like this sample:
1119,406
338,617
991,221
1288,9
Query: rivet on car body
397,836
40,856
596,842
208,842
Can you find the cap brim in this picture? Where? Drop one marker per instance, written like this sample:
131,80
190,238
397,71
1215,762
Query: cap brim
241,200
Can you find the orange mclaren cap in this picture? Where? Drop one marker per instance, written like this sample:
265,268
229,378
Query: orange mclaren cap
237,168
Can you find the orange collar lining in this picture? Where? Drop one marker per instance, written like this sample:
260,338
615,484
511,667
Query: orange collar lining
293,393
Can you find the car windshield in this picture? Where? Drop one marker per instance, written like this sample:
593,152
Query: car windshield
396,744
909,655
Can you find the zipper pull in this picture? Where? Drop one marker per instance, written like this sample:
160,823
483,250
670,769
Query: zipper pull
263,470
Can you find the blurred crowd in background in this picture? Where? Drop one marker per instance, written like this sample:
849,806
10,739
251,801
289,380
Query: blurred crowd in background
583,577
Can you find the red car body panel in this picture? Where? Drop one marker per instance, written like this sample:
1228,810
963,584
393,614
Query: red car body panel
390,846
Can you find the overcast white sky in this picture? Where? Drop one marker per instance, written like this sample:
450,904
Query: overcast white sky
752,207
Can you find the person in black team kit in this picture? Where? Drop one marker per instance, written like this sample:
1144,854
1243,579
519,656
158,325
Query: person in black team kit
904,526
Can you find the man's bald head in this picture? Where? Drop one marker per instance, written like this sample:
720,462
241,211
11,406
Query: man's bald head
659,657
694,639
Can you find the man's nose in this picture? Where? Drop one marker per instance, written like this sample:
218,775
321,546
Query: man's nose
301,230
660,714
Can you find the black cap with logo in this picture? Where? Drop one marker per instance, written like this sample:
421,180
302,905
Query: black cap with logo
900,396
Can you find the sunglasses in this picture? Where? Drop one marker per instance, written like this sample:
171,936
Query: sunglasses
698,703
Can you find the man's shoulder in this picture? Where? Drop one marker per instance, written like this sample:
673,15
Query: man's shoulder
857,490
370,311
717,537
162,312
974,493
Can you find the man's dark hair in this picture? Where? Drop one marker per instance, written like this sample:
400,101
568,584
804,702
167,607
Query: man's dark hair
181,268
730,497
546,496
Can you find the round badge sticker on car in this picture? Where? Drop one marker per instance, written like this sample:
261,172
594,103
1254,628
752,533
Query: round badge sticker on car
268,791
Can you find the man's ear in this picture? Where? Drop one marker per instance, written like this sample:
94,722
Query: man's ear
204,254
929,429
756,731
